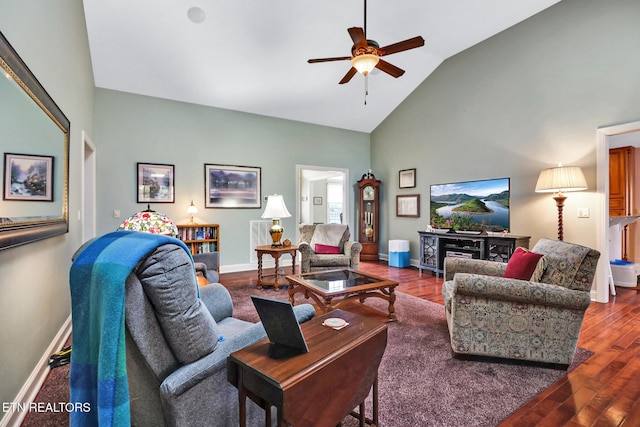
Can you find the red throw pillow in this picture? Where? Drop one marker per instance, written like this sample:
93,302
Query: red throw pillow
327,249
522,264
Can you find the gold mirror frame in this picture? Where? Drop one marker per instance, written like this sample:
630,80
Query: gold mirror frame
17,231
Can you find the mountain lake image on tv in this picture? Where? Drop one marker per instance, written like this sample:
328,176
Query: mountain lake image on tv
471,206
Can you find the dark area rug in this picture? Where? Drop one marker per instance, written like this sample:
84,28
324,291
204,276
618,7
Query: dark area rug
420,382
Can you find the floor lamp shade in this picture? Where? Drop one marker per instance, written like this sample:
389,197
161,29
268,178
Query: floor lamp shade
558,180
276,209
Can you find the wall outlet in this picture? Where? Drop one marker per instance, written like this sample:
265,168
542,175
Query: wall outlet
583,212
116,214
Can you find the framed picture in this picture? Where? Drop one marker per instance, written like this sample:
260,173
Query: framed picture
228,186
407,178
28,177
408,206
155,183
317,200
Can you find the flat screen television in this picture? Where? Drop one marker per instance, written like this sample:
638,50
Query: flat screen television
471,205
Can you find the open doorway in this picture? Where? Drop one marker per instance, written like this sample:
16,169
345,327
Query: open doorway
605,137
322,195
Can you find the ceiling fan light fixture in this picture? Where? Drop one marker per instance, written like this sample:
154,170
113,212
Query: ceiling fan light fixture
365,63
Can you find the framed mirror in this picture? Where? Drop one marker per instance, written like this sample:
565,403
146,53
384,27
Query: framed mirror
34,136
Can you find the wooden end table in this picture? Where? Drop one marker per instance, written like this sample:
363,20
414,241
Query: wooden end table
331,288
276,253
319,388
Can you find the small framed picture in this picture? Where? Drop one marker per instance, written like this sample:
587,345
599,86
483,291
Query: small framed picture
407,178
317,200
155,183
408,206
227,186
28,177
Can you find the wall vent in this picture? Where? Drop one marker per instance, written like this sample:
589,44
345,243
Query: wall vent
259,236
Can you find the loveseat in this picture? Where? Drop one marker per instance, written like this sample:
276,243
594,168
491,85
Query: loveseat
489,315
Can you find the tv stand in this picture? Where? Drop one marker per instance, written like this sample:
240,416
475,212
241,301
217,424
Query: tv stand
435,246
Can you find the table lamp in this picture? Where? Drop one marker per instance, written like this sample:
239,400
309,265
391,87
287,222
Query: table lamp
151,222
558,180
192,210
276,209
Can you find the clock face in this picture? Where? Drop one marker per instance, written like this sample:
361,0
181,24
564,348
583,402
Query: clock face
368,193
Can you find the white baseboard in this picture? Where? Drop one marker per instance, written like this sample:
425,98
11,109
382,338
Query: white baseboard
29,390
266,263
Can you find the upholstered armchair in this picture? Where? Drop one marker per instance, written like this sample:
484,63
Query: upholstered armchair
327,246
207,265
489,315
176,341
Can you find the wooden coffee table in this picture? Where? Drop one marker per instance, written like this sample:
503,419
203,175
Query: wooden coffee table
332,288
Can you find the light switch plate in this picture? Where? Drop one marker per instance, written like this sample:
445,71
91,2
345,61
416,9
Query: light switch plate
583,212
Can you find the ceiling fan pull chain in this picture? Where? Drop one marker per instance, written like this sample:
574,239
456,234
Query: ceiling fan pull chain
366,88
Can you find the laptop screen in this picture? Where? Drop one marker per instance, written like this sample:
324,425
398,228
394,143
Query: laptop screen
282,327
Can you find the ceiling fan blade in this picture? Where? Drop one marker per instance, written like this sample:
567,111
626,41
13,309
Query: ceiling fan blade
352,72
340,58
401,46
390,69
357,35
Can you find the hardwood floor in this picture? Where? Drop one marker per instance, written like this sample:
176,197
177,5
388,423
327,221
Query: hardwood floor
603,391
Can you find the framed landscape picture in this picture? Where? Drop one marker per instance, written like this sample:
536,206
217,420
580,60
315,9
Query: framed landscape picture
155,183
28,177
228,186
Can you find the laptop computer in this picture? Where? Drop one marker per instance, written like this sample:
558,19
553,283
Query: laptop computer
282,327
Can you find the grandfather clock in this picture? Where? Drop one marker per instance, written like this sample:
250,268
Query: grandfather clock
369,218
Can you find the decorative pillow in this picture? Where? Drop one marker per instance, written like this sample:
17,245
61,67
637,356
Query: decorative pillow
523,264
326,249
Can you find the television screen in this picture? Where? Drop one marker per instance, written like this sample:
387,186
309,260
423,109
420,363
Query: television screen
471,205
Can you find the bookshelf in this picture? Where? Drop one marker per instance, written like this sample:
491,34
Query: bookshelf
200,238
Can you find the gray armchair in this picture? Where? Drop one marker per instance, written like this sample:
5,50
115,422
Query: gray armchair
489,315
348,252
207,264
177,344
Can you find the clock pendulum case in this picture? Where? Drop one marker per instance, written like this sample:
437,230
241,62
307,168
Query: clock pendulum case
369,218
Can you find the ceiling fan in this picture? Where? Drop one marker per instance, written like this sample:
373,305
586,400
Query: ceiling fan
365,54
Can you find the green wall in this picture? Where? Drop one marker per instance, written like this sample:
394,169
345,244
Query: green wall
34,290
133,128
513,105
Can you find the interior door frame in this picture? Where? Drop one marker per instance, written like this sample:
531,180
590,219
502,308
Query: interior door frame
88,182
603,136
345,192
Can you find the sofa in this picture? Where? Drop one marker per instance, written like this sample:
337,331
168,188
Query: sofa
327,246
540,321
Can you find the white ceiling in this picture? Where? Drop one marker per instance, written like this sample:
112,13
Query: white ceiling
251,56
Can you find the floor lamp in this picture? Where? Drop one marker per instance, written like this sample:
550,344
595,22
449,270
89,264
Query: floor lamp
558,180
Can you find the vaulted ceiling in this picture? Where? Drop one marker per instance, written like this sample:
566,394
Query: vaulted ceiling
251,55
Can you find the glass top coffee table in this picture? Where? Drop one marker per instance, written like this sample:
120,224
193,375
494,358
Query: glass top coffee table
332,288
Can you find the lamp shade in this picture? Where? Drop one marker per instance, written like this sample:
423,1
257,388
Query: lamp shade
192,209
561,179
365,63
150,222
275,207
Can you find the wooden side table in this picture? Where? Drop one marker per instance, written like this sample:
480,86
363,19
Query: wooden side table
319,388
276,253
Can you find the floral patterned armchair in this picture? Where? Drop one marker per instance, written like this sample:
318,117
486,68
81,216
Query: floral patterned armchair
315,239
489,315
